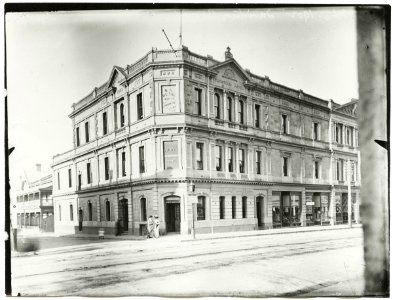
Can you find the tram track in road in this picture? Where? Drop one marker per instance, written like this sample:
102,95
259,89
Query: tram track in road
105,262
164,266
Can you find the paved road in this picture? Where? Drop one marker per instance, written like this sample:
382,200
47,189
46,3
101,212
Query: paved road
323,263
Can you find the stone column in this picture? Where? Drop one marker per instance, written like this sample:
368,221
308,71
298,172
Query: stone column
303,218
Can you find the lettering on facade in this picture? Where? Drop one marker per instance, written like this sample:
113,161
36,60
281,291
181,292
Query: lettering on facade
171,155
168,98
167,72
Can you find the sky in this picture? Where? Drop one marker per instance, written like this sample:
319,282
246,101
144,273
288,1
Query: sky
55,59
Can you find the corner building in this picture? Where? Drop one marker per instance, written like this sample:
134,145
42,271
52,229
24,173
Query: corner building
173,129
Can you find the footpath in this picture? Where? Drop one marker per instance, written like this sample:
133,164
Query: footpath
29,240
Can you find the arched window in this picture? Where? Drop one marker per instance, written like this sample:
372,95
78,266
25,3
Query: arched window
217,106
59,212
90,210
143,209
241,112
71,213
229,108
107,210
121,115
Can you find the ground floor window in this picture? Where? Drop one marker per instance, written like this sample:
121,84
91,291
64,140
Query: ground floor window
90,210
222,207
201,208
244,207
233,207
143,209
71,213
107,211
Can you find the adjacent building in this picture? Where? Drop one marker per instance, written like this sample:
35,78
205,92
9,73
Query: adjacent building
33,207
185,136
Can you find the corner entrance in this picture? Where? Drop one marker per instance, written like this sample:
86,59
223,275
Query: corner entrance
123,215
172,214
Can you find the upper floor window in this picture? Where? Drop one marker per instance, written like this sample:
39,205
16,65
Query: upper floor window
230,159
349,136
106,165
199,156
339,132
79,181
201,208
284,124
218,150
123,164
58,180
88,173
78,142
316,169
141,159
258,162
69,178
285,166
139,105
222,207
241,111
171,155
122,119
229,108
87,131
217,107
339,169
257,116
198,102
316,135
241,160
104,123
90,210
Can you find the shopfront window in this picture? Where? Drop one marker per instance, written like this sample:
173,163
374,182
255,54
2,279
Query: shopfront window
317,208
339,214
295,210
324,208
286,210
345,207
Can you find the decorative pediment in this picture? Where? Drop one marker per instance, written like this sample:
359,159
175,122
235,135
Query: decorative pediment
230,70
116,76
349,108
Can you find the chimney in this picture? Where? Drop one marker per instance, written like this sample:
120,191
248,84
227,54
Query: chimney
228,54
38,167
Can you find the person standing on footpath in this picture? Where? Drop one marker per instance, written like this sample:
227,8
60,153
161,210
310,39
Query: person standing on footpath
156,227
150,227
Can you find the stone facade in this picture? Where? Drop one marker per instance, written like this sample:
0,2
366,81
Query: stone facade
203,144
